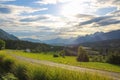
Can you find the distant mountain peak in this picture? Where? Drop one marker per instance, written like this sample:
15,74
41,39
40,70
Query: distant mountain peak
98,36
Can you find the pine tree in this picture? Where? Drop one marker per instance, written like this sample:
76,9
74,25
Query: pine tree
2,44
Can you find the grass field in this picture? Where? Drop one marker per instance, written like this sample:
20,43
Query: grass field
67,60
29,71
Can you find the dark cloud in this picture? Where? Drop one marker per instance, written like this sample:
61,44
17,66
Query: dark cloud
5,10
84,16
34,19
116,13
95,20
109,22
105,20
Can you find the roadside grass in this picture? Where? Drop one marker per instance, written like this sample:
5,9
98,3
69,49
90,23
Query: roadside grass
29,71
70,60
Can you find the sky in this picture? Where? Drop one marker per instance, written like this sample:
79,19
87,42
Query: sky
50,19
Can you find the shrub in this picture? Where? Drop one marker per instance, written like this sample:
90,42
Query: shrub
62,53
2,44
114,58
82,55
98,58
8,76
55,55
1,64
21,72
8,64
1,58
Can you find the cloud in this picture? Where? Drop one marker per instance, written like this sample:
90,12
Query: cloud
46,2
10,15
110,19
40,32
110,2
108,22
94,3
20,9
35,18
51,1
95,20
84,16
64,27
115,13
13,18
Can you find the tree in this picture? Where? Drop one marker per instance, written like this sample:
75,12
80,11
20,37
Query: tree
114,58
2,44
82,55
62,53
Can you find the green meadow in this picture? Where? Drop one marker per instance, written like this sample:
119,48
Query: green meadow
29,71
70,60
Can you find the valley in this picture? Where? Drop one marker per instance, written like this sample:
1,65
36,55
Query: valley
88,60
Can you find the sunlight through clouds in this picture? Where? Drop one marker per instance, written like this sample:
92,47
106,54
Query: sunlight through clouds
77,7
61,18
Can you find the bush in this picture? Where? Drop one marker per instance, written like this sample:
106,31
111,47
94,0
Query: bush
82,55
114,58
21,72
8,64
2,44
8,76
55,55
1,58
1,64
98,58
62,53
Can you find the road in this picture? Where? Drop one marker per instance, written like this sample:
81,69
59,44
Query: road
114,75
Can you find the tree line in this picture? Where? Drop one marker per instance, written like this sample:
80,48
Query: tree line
112,57
23,45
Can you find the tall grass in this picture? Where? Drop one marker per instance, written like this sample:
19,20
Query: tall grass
20,71
68,60
29,71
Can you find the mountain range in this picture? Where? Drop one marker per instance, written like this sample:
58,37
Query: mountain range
113,43
59,41
98,36
32,40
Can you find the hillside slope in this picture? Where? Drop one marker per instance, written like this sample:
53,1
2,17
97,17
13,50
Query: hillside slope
6,36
